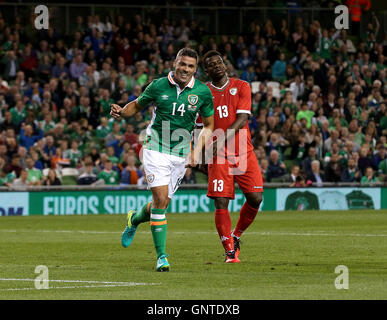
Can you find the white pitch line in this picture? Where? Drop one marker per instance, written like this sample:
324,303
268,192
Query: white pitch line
77,287
100,284
82,281
316,234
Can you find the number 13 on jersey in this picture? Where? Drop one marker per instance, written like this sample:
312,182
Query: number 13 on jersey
218,185
223,111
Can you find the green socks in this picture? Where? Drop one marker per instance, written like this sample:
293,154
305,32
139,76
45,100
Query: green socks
143,215
158,224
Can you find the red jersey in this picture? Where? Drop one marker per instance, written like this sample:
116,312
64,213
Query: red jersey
233,98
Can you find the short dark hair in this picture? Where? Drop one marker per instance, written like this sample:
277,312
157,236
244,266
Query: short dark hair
188,52
210,54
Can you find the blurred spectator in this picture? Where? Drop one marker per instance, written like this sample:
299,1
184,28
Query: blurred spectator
60,70
58,161
34,174
73,154
107,175
77,67
51,179
295,172
351,173
22,181
249,75
6,180
11,65
103,129
27,139
88,177
380,156
22,152
299,183
244,60
333,170
315,175
130,174
276,168
278,68
364,160
264,165
368,178
14,165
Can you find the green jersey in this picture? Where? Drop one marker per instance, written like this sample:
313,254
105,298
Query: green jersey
18,116
175,113
47,126
307,114
110,178
105,106
34,175
8,178
74,155
302,201
383,167
364,180
359,200
102,131
332,124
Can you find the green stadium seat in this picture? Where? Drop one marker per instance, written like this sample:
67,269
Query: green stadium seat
69,180
69,176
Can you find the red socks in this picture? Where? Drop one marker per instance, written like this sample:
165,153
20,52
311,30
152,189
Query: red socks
246,218
223,225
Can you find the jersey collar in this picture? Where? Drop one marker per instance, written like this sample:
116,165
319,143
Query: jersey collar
189,85
223,87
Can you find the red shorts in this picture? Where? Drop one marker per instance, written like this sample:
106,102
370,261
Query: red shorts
243,170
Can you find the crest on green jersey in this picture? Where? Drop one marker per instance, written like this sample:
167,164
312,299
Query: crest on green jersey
193,99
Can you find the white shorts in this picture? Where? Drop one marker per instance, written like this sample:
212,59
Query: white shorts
162,169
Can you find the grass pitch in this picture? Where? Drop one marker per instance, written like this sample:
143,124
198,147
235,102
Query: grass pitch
284,255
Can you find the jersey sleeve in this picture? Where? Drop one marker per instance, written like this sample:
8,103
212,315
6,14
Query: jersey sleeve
207,108
148,95
244,105
199,121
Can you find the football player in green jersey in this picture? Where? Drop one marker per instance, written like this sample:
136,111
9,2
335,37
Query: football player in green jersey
179,98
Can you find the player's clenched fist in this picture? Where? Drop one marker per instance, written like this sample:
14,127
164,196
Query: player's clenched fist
115,111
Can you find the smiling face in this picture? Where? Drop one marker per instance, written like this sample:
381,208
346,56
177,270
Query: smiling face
185,67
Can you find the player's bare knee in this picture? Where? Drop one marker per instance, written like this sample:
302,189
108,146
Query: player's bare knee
254,200
160,203
221,203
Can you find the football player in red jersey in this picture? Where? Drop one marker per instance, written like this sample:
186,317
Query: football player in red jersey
234,158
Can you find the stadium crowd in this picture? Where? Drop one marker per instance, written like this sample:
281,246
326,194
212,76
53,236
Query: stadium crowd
318,98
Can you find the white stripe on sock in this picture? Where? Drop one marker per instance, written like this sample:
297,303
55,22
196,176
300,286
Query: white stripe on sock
157,216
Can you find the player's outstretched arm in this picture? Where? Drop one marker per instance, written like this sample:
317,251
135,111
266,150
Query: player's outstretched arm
129,110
